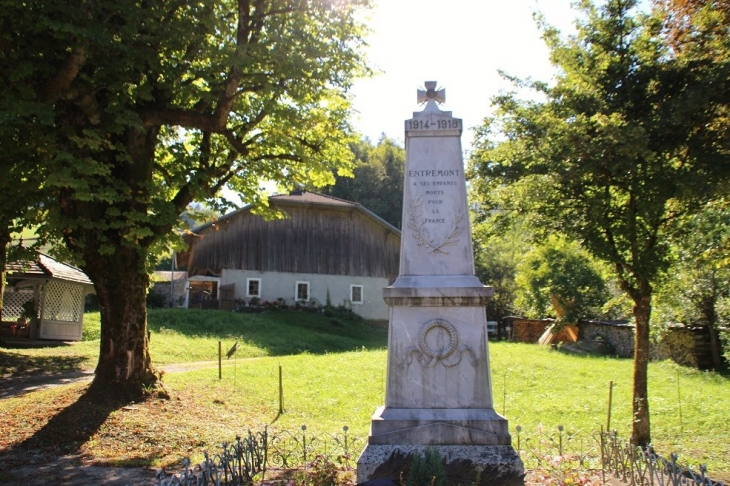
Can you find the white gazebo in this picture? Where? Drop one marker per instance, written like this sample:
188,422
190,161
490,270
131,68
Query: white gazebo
57,290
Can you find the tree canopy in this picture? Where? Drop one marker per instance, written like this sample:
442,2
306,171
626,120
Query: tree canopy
629,138
150,105
559,279
377,181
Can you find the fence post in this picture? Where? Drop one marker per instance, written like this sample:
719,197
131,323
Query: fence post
281,391
560,439
610,400
603,457
504,395
347,452
679,402
304,444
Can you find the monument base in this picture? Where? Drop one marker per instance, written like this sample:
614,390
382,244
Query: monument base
438,426
468,440
493,465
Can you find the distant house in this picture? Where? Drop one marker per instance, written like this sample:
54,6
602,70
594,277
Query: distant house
54,291
327,249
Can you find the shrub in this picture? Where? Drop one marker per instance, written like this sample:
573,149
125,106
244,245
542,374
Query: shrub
155,300
427,470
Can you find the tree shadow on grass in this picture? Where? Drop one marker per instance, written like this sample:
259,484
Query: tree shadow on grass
71,427
279,332
16,365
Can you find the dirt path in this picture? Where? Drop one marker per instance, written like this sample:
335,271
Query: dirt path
11,387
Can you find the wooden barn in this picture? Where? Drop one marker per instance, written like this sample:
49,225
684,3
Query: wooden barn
326,250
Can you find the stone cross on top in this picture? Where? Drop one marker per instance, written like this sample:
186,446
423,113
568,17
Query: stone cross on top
431,96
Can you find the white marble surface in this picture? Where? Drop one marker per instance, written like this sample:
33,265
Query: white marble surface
438,357
439,388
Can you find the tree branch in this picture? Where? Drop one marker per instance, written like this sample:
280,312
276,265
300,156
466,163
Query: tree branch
55,87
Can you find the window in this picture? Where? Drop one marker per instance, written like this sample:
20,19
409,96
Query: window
253,287
301,291
356,294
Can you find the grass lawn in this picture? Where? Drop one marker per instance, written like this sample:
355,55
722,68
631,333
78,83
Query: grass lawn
334,375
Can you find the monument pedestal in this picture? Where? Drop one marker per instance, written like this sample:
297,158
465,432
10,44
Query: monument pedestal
494,465
439,388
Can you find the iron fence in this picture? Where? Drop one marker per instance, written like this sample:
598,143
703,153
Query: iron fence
541,447
638,466
287,450
239,462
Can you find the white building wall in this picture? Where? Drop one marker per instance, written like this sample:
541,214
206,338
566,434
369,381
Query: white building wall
282,285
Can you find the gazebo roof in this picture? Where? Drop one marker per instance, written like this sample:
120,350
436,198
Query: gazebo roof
46,267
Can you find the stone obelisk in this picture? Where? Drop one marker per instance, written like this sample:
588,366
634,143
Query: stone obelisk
439,389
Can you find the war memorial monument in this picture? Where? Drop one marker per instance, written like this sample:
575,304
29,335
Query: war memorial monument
439,388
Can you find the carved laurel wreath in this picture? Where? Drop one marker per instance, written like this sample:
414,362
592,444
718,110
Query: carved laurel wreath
417,225
448,355
445,351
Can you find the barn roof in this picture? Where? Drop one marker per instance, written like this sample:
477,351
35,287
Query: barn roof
306,197
303,197
164,275
46,267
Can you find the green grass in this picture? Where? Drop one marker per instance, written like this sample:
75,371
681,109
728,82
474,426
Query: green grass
334,375
536,388
181,335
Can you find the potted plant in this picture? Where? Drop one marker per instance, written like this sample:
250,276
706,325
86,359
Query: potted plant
27,315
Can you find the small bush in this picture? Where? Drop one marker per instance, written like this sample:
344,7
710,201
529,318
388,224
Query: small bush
427,470
155,300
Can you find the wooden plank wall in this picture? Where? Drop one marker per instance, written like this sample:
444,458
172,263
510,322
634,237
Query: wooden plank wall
314,239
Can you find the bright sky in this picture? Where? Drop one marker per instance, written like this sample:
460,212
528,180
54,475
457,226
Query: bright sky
461,44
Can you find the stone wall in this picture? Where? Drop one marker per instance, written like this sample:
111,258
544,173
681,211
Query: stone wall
163,288
678,344
618,334
687,346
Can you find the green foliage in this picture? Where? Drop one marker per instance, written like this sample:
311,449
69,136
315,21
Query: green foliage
378,179
135,110
29,310
558,279
92,326
698,291
321,472
497,252
427,469
628,139
154,299
612,154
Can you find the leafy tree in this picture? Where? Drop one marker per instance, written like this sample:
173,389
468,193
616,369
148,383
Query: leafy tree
378,179
697,28
627,139
559,279
21,186
159,103
699,289
497,252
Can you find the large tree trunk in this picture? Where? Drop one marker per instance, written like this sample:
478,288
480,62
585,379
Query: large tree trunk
121,287
640,430
114,256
